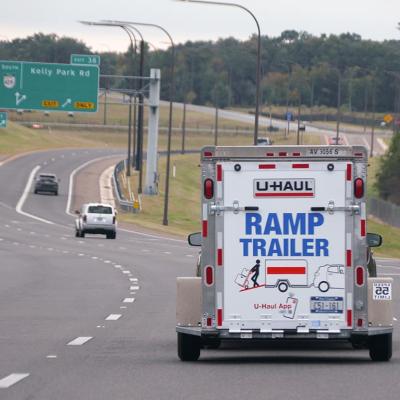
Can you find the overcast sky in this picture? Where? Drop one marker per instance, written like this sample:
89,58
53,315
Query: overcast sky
372,19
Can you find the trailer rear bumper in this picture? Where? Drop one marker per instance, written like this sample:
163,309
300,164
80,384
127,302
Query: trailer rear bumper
224,334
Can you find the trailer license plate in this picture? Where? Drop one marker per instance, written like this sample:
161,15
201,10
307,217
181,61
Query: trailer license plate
326,305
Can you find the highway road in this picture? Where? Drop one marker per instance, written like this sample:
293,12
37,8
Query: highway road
95,318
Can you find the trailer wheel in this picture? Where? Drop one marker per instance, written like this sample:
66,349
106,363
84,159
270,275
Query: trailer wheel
380,347
188,347
283,286
323,286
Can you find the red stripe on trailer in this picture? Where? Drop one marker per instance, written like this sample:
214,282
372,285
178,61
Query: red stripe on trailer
219,317
219,257
363,227
349,258
306,194
282,154
296,154
270,154
205,228
266,166
300,165
286,270
349,172
349,317
219,172
209,321
359,154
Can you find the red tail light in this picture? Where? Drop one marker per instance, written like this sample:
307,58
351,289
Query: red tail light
208,188
358,188
360,276
209,275
84,218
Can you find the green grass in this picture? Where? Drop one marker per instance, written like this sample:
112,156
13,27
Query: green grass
391,239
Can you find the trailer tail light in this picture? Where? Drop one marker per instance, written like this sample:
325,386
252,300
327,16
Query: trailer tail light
208,188
360,276
282,154
358,188
208,154
269,154
360,322
85,218
209,275
209,321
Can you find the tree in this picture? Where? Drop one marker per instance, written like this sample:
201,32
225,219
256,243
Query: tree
388,179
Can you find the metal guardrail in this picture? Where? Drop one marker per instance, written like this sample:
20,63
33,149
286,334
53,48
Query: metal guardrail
385,211
123,203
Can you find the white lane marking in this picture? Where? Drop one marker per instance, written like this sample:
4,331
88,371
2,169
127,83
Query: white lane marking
390,274
122,248
366,143
107,261
167,252
1,239
129,300
133,279
123,307
190,255
53,159
12,379
15,243
346,141
32,246
113,317
80,255
24,196
134,288
65,251
52,356
126,272
394,319
72,177
7,226
79,341
153,236
32,233
19,229
382,144
145,250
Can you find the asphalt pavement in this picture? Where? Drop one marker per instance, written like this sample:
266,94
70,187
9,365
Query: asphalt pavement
95,319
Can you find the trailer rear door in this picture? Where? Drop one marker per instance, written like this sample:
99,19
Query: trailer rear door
284,260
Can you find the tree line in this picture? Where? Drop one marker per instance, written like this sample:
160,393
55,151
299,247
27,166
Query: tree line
297,68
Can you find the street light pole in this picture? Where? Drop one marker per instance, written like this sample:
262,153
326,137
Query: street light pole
171,100
132,39
258,72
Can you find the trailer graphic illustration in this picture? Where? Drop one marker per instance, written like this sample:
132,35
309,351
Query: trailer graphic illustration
283,274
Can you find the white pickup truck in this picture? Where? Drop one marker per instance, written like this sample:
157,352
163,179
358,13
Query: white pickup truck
284,252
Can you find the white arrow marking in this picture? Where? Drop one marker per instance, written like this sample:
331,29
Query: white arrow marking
19,98
68,101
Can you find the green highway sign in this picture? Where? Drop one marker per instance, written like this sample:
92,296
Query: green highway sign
85,59
3,119
49,87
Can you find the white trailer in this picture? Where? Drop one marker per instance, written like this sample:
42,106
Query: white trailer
284,251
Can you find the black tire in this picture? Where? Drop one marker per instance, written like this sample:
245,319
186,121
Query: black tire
380,347
55,193
112,235
82,234
77,233
35,191
283,287
188,347
323,286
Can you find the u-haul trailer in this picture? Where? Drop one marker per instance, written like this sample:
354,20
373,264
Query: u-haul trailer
284,252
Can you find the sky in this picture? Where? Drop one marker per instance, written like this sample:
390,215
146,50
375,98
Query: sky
372,19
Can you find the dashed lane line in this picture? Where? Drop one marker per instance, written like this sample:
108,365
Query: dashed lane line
113,317
11,380
79,341
128,300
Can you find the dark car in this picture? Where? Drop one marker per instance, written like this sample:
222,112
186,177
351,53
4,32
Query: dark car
264,141
46,183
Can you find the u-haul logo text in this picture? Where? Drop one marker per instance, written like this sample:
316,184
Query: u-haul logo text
284,187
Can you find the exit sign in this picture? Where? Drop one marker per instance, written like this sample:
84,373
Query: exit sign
51,87
85,59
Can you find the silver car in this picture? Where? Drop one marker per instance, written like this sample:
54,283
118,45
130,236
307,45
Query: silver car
96,218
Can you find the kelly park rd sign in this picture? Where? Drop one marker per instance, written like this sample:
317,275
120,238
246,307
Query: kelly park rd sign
85,59
50,87
3,120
